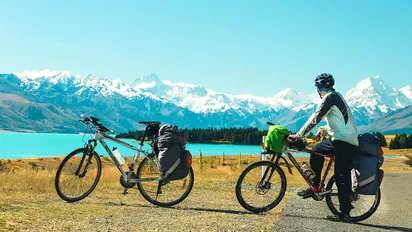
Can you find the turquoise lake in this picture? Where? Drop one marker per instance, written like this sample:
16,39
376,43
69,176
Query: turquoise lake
32,145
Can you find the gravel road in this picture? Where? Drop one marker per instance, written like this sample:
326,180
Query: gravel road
393,214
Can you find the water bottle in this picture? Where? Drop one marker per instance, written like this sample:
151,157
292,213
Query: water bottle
118,156
308,171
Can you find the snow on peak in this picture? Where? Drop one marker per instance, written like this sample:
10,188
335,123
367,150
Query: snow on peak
179,84
375,94
406,91
289,98
39,74
372,93
92,79
287,94
146,82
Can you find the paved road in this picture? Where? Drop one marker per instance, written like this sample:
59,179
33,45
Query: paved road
393,214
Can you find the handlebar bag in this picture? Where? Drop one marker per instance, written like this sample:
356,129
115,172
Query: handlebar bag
275,138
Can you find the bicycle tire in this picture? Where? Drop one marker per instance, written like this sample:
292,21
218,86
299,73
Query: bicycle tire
61,193
155,201
274,203
359,218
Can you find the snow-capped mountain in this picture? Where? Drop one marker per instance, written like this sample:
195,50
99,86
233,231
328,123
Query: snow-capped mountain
377,97
202,100
51,101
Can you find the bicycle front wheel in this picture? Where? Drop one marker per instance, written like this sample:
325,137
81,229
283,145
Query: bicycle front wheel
162,193
78,175
258,194
363,206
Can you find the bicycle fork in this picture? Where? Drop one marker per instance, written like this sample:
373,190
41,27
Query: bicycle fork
89,152
267,174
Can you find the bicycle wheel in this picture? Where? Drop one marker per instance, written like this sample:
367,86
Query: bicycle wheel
76,178
363,206
258,195
162,193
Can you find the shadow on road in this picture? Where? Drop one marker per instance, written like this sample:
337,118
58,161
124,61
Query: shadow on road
305,217
128,205
181,208
391,228
219,211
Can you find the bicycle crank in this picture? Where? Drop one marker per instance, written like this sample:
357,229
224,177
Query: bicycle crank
125,184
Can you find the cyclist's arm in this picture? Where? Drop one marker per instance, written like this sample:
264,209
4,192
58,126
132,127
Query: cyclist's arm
317,117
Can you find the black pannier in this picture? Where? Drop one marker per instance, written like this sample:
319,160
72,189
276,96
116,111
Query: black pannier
174,159
367,161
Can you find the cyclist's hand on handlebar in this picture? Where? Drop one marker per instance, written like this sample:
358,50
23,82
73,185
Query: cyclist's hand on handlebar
292,138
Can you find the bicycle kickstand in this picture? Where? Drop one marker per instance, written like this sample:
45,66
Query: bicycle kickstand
125,191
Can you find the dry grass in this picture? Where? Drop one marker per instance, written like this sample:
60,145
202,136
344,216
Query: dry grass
397,152
28,200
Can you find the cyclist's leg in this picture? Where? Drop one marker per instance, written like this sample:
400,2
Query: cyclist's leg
316,161
343,162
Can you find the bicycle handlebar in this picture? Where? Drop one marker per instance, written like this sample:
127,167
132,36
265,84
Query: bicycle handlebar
95,122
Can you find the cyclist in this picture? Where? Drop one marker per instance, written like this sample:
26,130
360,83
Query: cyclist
343,142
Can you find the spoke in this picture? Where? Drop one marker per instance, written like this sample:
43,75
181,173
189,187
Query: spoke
72,185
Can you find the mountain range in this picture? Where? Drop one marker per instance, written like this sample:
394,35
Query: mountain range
51,101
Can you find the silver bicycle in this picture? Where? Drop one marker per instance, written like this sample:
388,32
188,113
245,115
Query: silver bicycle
80,171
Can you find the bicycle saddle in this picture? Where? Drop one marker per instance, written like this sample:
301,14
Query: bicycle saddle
150,123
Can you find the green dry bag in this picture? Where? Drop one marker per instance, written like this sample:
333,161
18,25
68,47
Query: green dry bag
276,138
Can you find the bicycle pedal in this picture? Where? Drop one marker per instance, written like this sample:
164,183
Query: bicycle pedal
125,192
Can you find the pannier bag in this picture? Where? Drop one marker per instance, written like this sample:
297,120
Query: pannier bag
275,138
174,159
367,161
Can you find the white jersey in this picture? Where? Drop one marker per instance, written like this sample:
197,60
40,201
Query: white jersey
341,125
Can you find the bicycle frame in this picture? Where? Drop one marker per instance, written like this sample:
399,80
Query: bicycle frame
100,137
314,188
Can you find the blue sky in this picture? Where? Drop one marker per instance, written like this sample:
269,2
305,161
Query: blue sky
256,47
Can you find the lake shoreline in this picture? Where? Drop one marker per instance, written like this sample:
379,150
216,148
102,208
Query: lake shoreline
300,155
16,145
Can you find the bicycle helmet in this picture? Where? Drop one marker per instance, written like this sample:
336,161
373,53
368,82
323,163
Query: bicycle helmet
324,82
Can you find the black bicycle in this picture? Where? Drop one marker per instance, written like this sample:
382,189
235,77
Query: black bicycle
262,186
80,171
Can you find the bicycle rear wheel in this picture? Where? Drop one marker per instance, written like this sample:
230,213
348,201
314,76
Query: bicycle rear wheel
78,175
258,195
162,193
363,206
